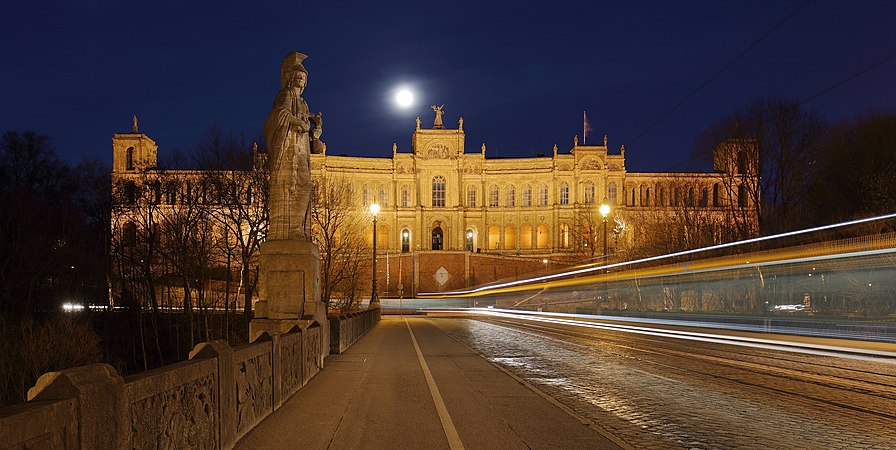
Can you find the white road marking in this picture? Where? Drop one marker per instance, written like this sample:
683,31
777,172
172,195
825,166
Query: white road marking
450,432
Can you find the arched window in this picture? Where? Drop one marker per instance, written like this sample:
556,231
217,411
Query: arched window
632,197
129,234
493,196
527,196
494,237
405,197
130,192
690,197
526,236
541,236
171,193
509,237
437,238
438,194
741,196
589,193
542,195
647,196
381,197
469,240
405,241
129,159
365,195
471,196
564,194
715,195
741,161
611,193
704,197
564,236
676,197
510,197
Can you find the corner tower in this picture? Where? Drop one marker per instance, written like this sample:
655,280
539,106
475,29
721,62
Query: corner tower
133,151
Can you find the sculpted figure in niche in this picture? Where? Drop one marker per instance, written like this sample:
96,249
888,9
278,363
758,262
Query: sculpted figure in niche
291,140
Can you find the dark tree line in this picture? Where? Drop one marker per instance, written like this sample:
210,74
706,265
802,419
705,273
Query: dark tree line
810,172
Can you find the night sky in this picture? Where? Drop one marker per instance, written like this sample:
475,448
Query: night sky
520,73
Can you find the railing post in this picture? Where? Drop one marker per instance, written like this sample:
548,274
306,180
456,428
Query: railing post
226,387
103,413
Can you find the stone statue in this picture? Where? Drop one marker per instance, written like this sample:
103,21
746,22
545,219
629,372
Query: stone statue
460,124
135,124
483,148
438,110
418,122
575,141
291,139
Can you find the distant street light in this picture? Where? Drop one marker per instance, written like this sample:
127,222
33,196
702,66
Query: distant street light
374,298
604,212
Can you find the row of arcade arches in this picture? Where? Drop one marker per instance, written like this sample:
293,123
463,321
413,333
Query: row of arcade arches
508,237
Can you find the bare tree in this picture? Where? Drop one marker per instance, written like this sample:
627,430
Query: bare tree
240,184
586,233
767,153
338,230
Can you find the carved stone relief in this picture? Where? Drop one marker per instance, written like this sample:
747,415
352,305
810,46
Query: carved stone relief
438,150
291,363
181,417
312,352
590,164
253,390
472,170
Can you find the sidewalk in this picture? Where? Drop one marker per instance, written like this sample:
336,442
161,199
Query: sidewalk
380,394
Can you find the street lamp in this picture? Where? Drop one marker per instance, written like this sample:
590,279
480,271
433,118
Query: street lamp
374,298
604,212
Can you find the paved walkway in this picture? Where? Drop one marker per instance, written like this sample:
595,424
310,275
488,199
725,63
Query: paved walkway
408,385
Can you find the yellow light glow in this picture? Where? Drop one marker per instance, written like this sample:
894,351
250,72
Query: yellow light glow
604,210
375,209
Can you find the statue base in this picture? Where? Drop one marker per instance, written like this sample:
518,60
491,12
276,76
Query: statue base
289,290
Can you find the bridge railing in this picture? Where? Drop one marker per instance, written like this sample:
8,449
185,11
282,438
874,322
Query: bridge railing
209,401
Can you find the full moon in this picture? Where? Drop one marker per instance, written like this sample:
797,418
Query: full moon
404,98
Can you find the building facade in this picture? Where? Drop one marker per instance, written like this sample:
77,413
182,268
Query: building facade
439,197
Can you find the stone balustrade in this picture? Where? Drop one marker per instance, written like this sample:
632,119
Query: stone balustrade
349,327
207,402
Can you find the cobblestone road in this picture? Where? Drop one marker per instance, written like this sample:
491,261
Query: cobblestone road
659,393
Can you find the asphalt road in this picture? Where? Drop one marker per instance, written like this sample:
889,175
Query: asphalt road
654,391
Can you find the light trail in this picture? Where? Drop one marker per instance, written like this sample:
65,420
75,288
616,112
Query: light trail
879,356
590,269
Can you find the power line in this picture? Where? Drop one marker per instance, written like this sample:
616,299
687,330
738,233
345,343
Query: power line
848,79
723,68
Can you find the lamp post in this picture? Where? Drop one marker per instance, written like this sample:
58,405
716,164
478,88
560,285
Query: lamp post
374,298
604,212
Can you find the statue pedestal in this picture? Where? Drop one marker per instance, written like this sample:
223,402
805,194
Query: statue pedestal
289,290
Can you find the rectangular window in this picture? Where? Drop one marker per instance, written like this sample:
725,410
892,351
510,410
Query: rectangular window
471,197
543,196
564,194
493,197
438,192
405,198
